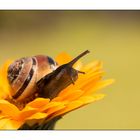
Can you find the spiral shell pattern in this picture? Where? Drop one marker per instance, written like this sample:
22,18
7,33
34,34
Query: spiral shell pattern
24,73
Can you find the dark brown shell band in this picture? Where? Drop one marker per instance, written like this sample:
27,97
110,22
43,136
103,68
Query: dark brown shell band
26,82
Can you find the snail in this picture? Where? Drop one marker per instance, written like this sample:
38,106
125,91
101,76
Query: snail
40,74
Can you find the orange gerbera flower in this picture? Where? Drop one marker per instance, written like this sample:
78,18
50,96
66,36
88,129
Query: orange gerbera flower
42,111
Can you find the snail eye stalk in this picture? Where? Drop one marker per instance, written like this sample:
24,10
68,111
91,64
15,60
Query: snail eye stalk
71,63
81,72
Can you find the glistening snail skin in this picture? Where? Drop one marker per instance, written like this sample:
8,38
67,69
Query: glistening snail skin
40,74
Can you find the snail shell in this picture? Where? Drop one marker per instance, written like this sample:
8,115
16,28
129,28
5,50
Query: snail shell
25,72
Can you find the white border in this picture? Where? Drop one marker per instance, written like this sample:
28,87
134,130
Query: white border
69,4
62,5
70,135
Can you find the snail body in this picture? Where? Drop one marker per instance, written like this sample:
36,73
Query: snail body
40,74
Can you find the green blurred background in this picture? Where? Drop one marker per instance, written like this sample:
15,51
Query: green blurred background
111,36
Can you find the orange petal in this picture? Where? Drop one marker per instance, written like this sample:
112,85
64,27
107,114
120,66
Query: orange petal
4,84
87,99
2,94
55,109
93,66
5,67
91,81
50,105
88,77
4,71
105,83
8,108
70,88
1,116
4,89
38,103
57,99
90,99
63,58
73,95
9,124
73,105
37,115
26,113
98,86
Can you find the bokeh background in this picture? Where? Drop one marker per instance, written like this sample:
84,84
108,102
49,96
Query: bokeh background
111,36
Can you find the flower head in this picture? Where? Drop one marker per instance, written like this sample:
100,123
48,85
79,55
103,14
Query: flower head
13,115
